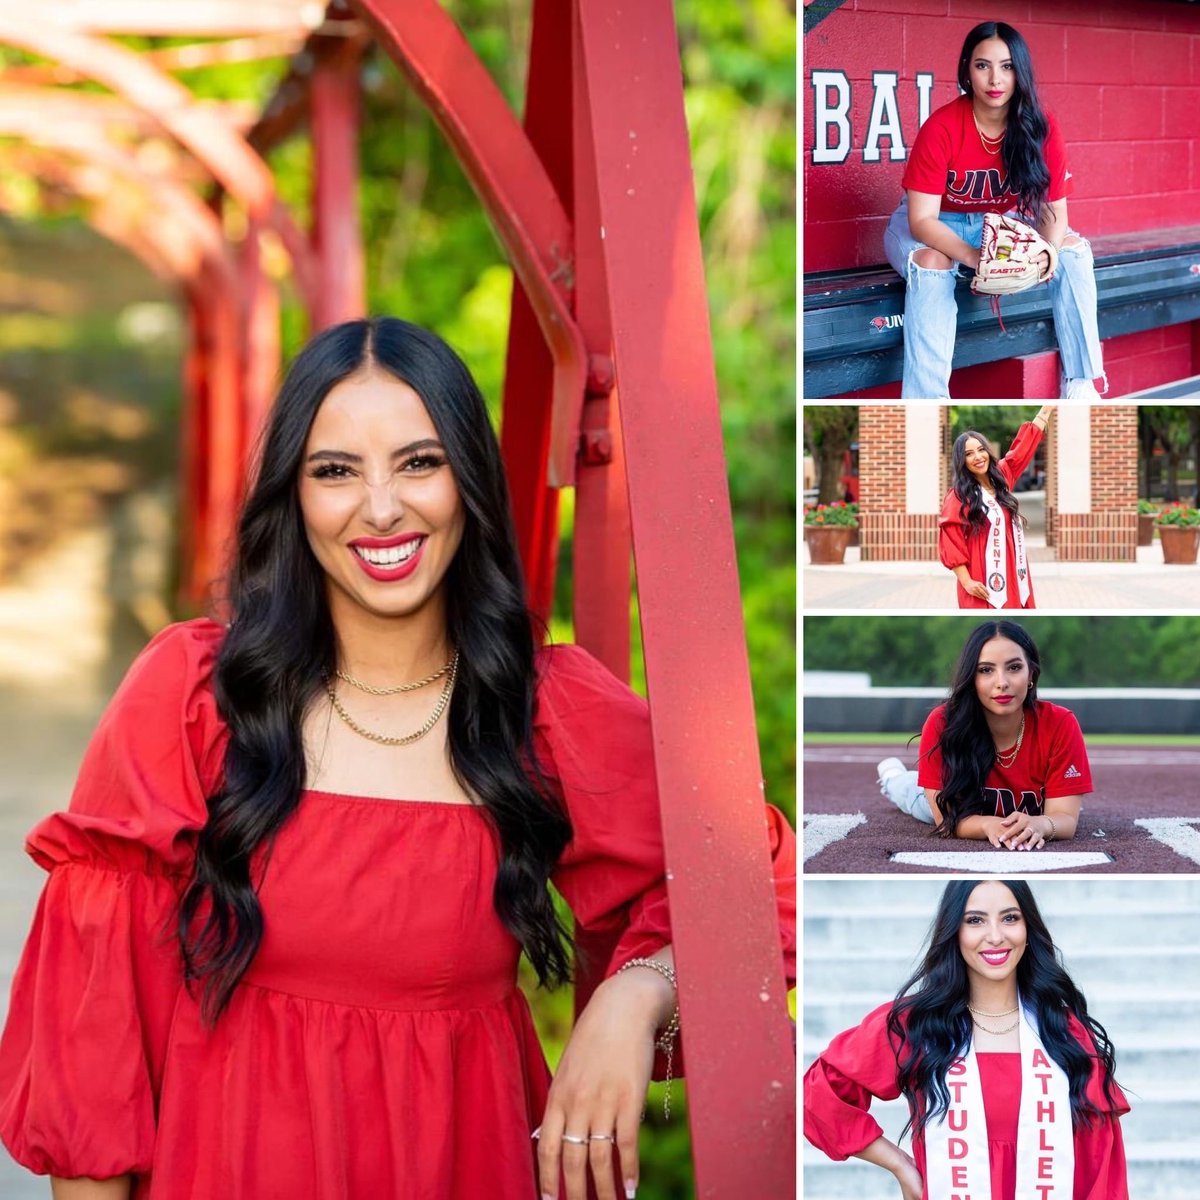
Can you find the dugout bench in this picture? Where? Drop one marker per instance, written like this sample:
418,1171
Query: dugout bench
853,327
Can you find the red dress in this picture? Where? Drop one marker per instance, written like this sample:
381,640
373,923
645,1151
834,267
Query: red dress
378,1045
861,1063
959,545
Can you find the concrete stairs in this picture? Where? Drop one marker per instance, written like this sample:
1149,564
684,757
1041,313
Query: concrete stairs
1133,947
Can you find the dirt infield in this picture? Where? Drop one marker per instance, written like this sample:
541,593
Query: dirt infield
1132,783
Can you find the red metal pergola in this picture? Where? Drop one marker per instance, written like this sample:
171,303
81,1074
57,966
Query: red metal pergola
609,387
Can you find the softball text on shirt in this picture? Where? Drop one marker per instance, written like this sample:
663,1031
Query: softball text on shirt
948,158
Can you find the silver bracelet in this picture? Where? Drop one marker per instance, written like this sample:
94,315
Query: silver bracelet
666,1039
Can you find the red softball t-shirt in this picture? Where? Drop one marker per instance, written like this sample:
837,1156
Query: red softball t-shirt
1052,762
949,159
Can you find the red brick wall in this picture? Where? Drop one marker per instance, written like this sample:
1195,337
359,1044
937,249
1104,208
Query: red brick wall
886,532
1123,79
1109,532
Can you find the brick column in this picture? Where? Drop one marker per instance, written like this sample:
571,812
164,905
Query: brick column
1108,531
888,531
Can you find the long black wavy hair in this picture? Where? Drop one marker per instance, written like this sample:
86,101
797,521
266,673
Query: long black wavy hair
967,488
966,744
281,643
1023,151
930,1026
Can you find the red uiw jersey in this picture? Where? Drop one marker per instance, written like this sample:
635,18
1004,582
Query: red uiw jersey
1052,762
949,159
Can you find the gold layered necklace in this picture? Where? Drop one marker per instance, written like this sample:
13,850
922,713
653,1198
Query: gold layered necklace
346,677
1008,757
975,1012
450,670
991,145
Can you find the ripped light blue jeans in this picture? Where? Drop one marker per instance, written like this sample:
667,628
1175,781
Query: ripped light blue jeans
931,312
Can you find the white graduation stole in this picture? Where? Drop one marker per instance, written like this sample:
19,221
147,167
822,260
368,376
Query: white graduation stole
995,559
957,1163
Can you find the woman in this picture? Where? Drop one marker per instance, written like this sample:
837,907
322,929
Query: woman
996,763
277,953
980,532
1009,1081
993,149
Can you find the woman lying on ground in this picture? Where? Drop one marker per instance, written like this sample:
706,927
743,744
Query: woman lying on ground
1009,1080
996,763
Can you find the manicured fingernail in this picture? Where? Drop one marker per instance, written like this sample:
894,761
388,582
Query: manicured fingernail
630,1189
537,1133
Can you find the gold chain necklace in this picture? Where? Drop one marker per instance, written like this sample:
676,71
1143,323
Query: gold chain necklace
997,1032
984,140
994,1016
346,677
407,739
1008,757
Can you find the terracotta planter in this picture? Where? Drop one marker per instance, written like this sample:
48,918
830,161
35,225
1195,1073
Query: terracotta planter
1179,543
1145,529
827,543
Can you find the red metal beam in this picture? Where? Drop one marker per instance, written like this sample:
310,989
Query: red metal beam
603,540
526,426
186,239
342,289
222,149
183,18
741,1065
509,179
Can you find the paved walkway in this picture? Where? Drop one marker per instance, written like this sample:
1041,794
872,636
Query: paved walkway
1143,586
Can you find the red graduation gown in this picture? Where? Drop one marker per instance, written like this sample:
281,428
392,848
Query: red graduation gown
959,545
860,1063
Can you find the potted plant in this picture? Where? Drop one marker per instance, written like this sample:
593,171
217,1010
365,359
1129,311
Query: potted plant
1178,526
1147,511
827,530
852,506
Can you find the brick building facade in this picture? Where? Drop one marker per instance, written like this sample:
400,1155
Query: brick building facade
1091,481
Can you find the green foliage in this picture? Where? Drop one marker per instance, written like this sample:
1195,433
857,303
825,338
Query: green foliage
1076,651
838,514
1178,514
997,422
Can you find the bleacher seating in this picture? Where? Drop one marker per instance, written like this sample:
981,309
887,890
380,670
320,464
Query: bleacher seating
853,335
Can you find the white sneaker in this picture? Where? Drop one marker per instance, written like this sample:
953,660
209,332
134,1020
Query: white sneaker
889,769
1077,389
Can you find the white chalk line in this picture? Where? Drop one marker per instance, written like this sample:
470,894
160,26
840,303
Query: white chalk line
1179,833
822,829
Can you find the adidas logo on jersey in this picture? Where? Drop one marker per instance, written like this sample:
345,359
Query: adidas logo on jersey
1073,772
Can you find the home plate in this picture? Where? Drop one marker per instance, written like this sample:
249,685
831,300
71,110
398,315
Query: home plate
1002,862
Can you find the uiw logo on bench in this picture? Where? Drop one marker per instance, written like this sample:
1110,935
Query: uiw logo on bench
895,321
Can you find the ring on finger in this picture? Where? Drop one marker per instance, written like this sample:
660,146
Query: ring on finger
601,1137
574,1140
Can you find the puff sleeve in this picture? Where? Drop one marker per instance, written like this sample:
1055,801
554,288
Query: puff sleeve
82,1053
952,534
593,740
858,1064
